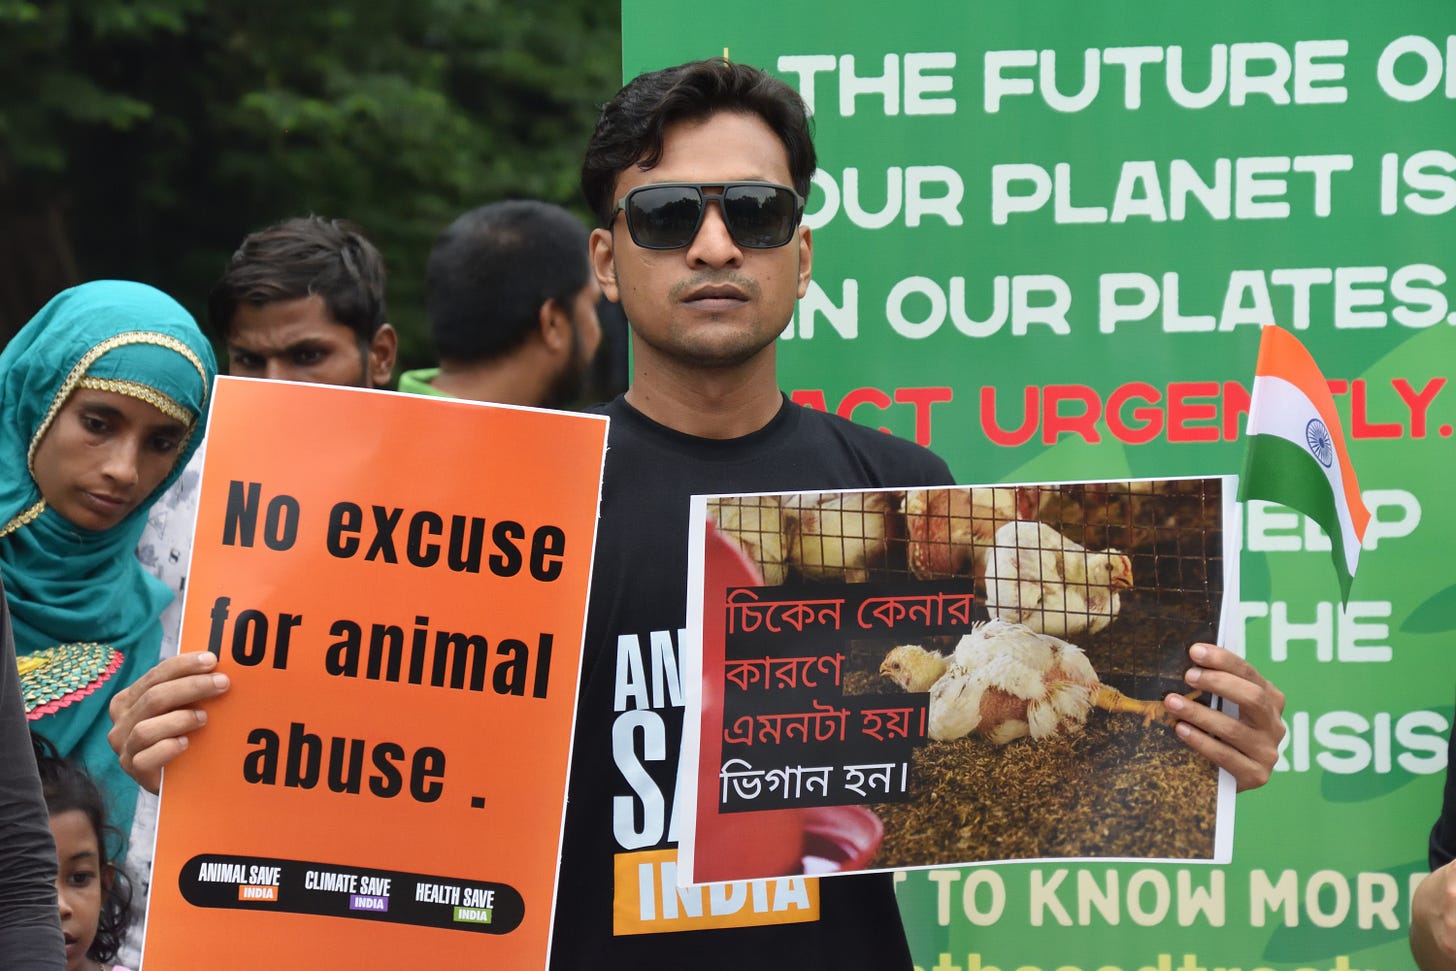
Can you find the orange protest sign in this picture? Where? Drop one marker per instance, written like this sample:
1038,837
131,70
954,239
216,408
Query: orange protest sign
396,586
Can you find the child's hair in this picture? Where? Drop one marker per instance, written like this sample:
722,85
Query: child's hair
67,786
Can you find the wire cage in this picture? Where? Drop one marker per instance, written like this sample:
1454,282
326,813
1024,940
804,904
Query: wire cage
1134,569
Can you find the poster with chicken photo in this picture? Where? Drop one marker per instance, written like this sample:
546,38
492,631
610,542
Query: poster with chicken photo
890,679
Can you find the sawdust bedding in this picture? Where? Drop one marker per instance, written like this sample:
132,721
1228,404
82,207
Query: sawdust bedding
1117,788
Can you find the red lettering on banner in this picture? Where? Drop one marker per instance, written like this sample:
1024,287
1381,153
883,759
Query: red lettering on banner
1150,419
1360,425
809,399
1418,403
920,399
1182,412
1084,423
1138,412
1134,413
1019,436
1236,400
862,396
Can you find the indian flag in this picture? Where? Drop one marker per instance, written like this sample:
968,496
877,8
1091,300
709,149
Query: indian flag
1296,454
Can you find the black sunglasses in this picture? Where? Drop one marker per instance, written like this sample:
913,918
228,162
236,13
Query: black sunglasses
666,215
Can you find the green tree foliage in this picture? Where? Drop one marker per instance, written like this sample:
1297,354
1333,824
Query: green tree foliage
145,138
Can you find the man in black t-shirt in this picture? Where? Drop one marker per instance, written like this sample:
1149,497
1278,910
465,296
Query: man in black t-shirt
698,175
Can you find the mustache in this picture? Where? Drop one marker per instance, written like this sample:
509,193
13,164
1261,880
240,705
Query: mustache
709,278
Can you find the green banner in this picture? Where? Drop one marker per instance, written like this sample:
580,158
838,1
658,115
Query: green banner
1045,237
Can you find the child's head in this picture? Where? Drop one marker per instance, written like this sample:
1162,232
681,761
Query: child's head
95,897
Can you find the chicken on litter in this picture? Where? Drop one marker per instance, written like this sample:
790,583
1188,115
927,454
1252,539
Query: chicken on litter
1006,681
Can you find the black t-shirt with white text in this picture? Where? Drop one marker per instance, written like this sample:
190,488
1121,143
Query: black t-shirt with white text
617,905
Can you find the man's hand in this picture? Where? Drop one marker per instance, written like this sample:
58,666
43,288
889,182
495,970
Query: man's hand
152,717
1247,746
1433,921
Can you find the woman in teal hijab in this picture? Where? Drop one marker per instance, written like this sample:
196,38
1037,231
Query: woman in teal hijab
103,396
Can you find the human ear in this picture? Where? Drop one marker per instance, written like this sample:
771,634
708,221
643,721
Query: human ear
806,259
383,347
554,325
603,262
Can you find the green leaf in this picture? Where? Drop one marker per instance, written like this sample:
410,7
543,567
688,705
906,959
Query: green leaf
1436,616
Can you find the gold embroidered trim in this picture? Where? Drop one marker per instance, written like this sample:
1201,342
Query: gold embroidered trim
23,519
158,400
45,657
89,358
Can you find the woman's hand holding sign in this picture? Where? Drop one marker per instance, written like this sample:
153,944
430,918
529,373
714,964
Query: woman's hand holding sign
152,717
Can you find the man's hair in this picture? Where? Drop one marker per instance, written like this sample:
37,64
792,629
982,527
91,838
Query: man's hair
491,270
298,258
630,129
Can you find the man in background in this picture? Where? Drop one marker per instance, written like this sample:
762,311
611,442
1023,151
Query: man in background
303,300
697,175
512,306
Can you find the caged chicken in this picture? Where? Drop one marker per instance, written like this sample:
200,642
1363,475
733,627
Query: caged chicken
1007,681
842,535
950,529
759,525
1038,577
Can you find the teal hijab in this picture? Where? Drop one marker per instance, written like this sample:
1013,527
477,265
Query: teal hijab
85,613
